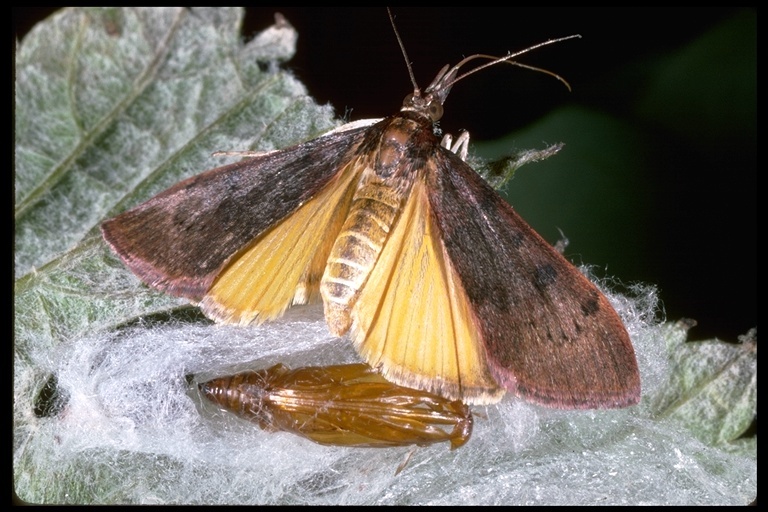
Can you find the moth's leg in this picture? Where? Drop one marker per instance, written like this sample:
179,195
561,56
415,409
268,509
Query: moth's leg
460,147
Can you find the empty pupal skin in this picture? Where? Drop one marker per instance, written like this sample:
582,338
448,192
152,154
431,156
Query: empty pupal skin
343,405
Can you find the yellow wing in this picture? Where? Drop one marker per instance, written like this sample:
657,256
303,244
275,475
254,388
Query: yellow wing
412,318
284,265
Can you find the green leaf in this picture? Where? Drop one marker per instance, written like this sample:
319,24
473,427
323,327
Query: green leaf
141,99
499,172
114,105
712,386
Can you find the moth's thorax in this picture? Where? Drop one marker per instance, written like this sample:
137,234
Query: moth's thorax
393,147
398,148
402,138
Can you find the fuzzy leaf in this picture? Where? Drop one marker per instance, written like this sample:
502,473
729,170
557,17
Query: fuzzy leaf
142,98
114,105
712,387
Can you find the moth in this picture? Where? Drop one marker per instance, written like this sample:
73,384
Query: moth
440,283
341,405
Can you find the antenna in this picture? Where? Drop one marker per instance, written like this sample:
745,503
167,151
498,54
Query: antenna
447,76
405,54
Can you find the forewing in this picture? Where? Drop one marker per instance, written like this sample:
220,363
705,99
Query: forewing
180,240
549,334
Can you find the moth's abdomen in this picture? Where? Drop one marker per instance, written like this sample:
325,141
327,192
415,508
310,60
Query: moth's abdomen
356,250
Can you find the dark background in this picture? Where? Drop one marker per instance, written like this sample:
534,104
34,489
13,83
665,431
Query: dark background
693,230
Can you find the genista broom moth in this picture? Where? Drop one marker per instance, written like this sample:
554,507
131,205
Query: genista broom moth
442,286
343,405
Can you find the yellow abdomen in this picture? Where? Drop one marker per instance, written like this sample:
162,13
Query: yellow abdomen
356,250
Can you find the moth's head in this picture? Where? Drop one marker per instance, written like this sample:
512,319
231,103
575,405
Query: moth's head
430,102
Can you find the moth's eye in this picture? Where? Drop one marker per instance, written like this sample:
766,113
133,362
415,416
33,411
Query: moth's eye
408,101
435,111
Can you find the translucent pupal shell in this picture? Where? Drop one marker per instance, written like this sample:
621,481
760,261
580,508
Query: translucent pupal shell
343,405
